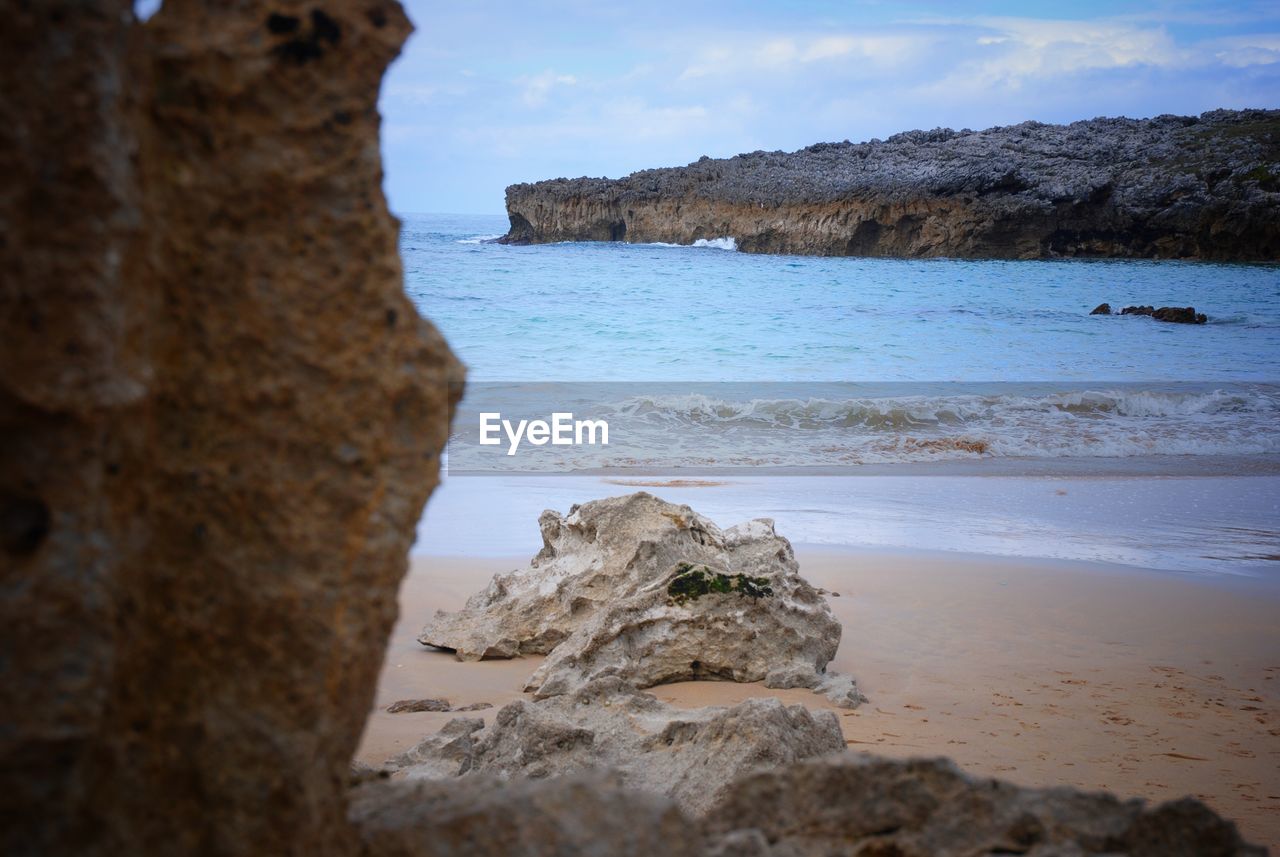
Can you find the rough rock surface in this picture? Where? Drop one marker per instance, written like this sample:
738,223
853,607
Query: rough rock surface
416,706
1174,315
928,808
1170,187
840,689
688,755
651,592
219,420
587,815
837,805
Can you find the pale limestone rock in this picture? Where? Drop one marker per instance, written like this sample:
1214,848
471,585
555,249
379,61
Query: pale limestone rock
688,755
651,592
840,689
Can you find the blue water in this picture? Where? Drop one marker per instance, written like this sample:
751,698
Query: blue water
846,364
608,312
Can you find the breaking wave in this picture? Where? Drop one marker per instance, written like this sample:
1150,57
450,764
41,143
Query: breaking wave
726,243
705,430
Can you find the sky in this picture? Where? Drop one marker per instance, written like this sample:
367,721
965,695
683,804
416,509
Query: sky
487,94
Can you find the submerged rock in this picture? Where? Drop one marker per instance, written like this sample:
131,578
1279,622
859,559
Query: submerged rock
1176,315
651,592
688,755
1179,315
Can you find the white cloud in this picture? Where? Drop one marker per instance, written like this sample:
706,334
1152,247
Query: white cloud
537,88
753,54
1243,51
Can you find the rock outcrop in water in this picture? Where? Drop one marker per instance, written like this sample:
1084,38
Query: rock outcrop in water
220,414
1172,314
1204,187
650,592
689,755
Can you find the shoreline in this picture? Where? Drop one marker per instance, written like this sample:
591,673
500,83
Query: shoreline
1037,671
1169,466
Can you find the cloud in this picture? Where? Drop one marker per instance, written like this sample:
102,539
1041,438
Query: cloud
1026,47
1251,50
774,54
537,89
595,89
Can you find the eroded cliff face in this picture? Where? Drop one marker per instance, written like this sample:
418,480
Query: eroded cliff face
219,417
1173,187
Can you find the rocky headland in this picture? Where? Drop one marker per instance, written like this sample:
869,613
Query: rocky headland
1180,187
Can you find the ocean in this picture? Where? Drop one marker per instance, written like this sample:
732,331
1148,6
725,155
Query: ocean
936,404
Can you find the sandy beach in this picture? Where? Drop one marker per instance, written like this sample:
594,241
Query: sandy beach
1145,683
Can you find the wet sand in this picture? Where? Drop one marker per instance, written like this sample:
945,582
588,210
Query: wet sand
1148,684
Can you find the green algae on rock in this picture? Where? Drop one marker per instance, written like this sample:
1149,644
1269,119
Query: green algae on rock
692,582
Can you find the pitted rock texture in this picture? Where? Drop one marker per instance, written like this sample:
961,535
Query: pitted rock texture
583,816
1204,187
220,418
836,805
650,592
688,755
863,805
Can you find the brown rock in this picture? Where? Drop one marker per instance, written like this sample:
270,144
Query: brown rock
1101,309
1179,315
1176,315
220,418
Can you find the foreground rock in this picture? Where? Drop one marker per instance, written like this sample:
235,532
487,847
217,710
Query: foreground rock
588,815
650,592
688,755
928,807
221,419
1170,187
840,805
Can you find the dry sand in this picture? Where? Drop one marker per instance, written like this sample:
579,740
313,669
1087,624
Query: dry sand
1144,683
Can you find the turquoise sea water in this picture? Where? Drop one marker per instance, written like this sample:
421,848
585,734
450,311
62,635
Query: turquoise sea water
608,312
940,403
